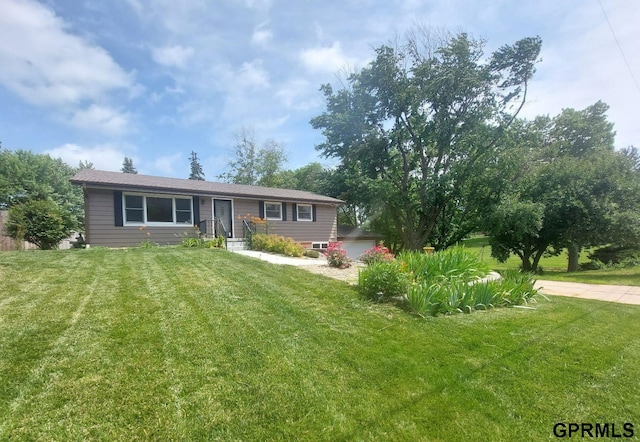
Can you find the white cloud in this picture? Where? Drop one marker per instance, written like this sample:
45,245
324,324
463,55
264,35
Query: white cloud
166,164
258,4
109,120
252,75
261,37
173,56
46,65
585,65
299,94
103,157
326,59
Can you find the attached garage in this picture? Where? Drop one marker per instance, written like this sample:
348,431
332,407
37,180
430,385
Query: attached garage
356,241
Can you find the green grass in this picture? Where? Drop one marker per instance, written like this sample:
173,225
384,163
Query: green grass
555,267
200,344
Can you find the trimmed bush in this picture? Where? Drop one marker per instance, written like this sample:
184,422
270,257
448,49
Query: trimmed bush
277,244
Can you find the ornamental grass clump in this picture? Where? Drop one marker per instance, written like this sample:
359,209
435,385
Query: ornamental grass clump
337,256
454,262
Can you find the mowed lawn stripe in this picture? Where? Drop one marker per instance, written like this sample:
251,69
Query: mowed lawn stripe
41,329
175,344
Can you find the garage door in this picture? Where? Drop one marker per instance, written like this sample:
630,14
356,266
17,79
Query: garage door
355,248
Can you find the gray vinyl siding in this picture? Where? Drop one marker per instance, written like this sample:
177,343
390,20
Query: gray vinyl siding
101,230
324,229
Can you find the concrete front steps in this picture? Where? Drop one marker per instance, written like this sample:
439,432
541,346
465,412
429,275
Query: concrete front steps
234,244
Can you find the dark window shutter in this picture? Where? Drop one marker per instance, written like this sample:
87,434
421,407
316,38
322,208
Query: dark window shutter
314,213
196,210
261,209
117,208
284,211
294,212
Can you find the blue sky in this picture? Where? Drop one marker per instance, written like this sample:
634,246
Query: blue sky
99,80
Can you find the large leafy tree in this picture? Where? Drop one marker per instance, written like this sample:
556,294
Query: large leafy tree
577,191
419,123
27,176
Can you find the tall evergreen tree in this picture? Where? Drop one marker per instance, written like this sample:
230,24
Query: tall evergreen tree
196,168
127,166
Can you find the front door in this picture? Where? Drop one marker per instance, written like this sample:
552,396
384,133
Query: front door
223,216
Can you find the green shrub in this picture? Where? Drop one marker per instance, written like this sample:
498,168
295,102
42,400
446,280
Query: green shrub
382,281
41,222
277,244
215,243
613,254
594,264
192,242
337,256
516,288
311,253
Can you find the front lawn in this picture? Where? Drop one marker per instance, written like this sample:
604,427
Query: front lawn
200,344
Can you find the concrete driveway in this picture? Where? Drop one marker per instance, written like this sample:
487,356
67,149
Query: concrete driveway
623,294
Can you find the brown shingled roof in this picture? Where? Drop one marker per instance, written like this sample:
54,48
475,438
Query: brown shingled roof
130,181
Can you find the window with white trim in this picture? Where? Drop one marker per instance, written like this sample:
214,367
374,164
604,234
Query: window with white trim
319,245
304,212
157,210
273,210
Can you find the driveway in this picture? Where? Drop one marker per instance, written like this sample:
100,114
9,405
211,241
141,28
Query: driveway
623,294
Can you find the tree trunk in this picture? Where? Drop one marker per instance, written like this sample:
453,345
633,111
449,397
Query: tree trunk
574,255
526,264
536,260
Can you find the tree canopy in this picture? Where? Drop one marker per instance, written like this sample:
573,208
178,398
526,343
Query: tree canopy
27,176
416,126
256,166
576,192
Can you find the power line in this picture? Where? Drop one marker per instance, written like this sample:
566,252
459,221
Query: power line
619,47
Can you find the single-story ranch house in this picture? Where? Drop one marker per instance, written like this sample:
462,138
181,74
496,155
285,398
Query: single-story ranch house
124,209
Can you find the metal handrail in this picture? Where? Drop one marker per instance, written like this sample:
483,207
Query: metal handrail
225,232
247,232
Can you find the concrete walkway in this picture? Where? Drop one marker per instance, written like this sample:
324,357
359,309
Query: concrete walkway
279,259
623,294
